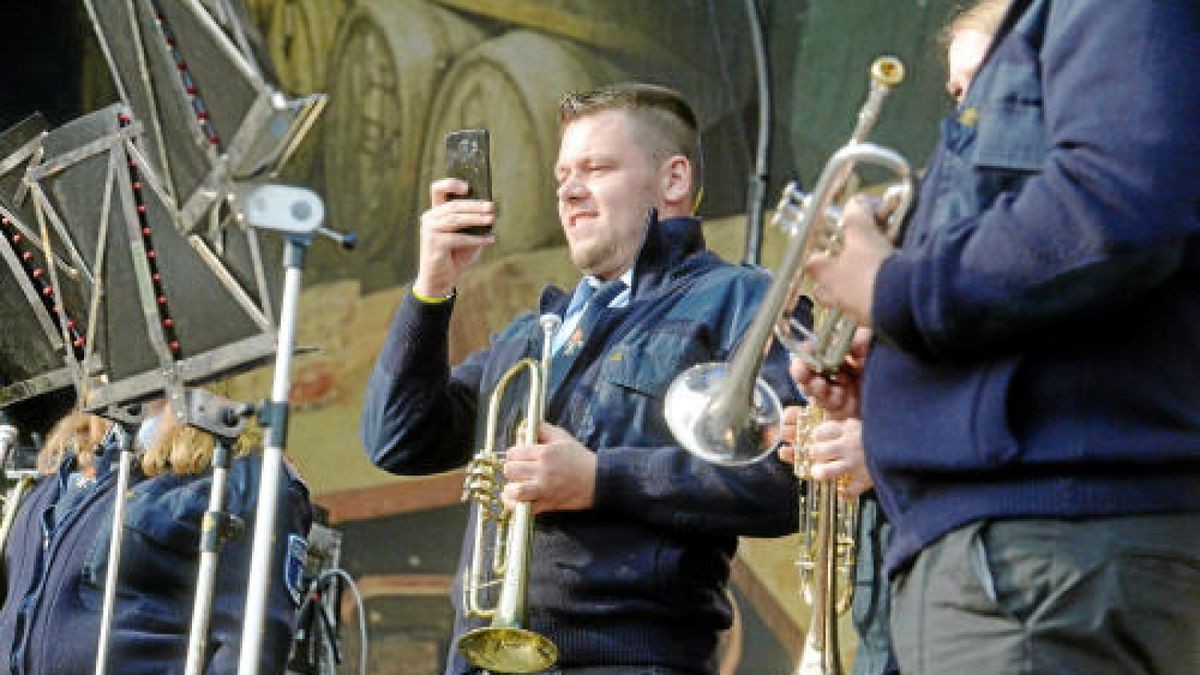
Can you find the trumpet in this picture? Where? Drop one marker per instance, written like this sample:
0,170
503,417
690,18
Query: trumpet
505,645
725,413
827,557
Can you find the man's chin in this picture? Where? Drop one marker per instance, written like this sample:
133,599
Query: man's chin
596,261
583,261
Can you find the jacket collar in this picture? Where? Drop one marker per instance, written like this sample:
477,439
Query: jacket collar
666,245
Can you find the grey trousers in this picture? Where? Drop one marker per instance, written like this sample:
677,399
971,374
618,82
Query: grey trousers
1013,597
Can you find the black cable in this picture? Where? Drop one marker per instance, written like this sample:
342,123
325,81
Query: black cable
329,624
727,81
757,189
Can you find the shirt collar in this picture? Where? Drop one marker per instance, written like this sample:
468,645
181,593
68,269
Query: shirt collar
596,282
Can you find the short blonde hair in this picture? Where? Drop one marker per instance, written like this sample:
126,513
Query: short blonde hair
185,450
180,448
671,123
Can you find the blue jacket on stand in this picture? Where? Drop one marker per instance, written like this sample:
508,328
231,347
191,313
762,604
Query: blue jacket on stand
54,573
638,579
1038,333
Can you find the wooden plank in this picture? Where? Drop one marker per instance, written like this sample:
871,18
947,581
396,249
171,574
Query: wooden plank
772,612
393,585
406,585
417,494
764,570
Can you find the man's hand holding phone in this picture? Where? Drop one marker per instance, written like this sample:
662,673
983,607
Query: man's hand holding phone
468,158
458,225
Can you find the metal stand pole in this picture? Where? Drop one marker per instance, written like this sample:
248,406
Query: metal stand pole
8,440
276,412
297,213
217,527
125,448
11,495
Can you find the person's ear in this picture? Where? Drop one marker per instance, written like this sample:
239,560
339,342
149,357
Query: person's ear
677,180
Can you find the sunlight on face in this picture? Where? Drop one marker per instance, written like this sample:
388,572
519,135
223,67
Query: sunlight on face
606,183
966,53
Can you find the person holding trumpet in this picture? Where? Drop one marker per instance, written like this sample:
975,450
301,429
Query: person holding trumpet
836,449
634,537
1031,398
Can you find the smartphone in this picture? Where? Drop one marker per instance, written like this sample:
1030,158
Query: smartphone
468,159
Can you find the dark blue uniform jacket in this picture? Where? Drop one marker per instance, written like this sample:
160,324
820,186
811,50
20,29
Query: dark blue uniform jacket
54,575
1039,331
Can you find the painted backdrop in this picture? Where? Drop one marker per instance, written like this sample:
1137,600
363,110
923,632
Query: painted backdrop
399,74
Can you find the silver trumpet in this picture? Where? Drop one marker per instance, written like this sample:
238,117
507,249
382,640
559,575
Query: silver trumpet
725,413
506,645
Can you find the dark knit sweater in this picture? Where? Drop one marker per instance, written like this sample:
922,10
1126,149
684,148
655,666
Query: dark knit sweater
1039,330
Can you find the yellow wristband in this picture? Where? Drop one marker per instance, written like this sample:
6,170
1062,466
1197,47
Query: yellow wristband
428,299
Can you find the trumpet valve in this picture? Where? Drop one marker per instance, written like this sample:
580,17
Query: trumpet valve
789,212
480,481
803,465
843,485
833,241
480,490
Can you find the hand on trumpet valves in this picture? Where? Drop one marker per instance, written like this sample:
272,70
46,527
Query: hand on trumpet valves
556,474
837,393
835,452
846,278
445,251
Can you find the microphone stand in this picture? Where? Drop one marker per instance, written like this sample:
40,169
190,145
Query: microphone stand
11,496
123,427
225,422
8,441
297,213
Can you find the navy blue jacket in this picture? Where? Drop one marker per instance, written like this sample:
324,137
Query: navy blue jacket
54,578
639,578
1038,350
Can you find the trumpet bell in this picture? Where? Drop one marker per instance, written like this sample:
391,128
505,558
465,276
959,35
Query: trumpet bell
720,420
508,650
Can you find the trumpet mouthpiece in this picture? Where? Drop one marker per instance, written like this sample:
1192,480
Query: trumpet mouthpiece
887,71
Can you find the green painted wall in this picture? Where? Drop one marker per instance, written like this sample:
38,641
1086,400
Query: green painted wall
829,68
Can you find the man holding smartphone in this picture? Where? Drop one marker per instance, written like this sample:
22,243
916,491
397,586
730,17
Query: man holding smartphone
633,539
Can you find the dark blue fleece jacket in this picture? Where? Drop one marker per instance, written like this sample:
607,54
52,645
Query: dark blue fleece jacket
1038,350
54,574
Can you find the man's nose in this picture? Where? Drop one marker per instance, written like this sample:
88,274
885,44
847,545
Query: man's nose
571,190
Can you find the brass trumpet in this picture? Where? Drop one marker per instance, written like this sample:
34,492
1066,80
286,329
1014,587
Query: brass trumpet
827,557
505,646
725,413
